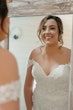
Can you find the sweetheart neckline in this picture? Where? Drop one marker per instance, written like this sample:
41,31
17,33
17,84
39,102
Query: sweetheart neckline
50,73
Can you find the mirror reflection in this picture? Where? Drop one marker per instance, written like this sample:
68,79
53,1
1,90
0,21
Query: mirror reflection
52,81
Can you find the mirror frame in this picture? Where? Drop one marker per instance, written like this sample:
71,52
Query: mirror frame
36,7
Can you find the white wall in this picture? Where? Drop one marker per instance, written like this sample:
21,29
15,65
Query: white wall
22,47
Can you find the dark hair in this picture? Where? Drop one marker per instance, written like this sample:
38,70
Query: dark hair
59,24
3,12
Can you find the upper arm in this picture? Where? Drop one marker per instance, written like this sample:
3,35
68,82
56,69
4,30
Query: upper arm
29,78
9,83
13,68
9,68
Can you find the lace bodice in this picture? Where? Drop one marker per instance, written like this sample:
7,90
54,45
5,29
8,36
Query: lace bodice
52,91
10,92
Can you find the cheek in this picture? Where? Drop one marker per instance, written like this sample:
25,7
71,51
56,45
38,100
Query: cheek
55,33
42,36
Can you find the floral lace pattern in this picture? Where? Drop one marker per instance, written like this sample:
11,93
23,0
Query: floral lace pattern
9,92
51,91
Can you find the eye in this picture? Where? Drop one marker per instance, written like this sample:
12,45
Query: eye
43,28
52,28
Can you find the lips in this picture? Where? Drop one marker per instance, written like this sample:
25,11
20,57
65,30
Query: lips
48,37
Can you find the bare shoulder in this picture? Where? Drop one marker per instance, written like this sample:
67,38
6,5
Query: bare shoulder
35,53
7,56
67,53
9,67
67,50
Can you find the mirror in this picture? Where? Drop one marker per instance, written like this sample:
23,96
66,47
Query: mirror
23,39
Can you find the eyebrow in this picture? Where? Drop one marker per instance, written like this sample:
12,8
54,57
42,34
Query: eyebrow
50,25
53,25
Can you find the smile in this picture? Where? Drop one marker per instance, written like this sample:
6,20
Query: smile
49,37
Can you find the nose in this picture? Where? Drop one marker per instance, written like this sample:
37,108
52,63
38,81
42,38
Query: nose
47,30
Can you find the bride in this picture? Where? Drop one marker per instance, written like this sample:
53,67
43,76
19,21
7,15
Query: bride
49,66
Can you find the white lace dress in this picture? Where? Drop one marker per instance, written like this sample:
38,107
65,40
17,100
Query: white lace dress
10,92
52,91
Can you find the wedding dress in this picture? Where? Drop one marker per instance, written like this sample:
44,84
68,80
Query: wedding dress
51,91
10,92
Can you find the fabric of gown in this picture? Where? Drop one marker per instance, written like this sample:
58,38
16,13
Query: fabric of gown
9,92
51,91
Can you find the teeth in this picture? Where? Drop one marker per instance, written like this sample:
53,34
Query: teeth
48,37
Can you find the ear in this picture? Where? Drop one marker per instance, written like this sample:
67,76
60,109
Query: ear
6,24
3,34
7,21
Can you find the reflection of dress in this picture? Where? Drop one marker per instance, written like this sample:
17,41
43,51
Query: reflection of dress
52,91
9,92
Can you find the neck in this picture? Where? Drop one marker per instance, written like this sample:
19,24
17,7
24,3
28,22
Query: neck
51,49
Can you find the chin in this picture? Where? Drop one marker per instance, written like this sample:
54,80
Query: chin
49,44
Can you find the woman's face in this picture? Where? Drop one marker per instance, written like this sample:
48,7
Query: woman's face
49,32
3,34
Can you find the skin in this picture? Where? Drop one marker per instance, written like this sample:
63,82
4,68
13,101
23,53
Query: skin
3,34
49,33
49,56
8,68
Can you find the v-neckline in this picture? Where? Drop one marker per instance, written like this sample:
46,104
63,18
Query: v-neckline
50,73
